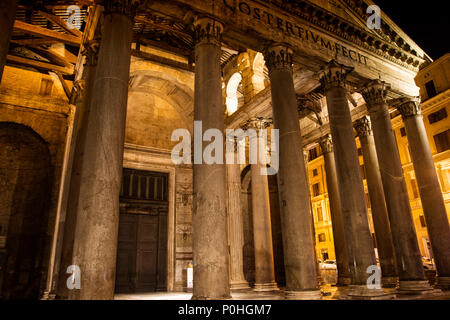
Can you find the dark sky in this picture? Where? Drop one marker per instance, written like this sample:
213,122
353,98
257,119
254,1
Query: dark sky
427,22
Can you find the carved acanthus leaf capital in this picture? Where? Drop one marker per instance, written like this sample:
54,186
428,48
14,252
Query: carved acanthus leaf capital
363,127
77,91
409,107
125,7
207,30
326,144
334,75
279,56
257,123
91,49
375,92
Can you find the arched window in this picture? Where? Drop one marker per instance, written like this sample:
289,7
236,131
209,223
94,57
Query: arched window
232,93
259,72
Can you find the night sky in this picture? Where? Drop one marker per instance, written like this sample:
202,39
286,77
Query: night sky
427,22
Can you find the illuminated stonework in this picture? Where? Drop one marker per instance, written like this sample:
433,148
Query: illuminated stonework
92,112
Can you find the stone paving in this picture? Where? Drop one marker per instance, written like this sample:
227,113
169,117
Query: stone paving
328,291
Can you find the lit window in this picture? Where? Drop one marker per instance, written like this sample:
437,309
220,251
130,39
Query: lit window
232,100
422,221
319,214
316,189
322,237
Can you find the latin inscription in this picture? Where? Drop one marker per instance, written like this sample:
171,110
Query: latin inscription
294,30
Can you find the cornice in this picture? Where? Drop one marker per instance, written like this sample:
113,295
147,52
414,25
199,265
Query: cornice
381,44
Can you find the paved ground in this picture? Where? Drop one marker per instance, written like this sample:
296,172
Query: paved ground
329,291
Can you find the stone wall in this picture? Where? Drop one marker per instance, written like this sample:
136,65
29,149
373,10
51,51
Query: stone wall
37,101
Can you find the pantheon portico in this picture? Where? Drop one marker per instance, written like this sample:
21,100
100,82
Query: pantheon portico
121,216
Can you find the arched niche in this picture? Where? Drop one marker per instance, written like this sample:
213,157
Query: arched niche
25,178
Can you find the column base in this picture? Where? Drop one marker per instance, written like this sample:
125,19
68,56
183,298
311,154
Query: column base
443,283
417,287
211,298
362,292
303,295
264,287
389,282
239,285
343,281
48,296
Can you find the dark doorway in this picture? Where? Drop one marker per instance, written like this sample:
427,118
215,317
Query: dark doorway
142,244
25,170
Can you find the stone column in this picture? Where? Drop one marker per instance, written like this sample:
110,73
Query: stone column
97,222
354,211
320,280
235,226
68,222
378,203
298,242
8,13
429,188
344,278
409,262
211,272
262,227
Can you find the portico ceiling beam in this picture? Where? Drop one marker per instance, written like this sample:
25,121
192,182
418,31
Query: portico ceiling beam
39,64
165,47
46,33
63,24
162,60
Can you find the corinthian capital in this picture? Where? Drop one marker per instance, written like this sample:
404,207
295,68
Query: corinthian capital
326,144
334,75
91,50
279,56
207,30
375,92
257,123
125,7
363,127
409,107
77,91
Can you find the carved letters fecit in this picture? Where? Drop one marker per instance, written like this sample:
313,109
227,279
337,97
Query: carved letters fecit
293,29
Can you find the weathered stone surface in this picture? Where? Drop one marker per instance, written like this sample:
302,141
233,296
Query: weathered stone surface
409,263
380,215
429,188
357,233
211,269
342,259
95,243
298,242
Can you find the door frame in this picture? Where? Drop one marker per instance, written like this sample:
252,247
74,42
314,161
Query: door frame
131,161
